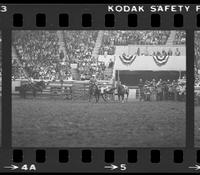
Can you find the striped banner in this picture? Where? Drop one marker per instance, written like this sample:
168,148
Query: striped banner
127,59
161,60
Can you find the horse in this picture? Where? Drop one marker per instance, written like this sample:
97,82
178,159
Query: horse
107,92
122,90
94,91
33,87
98,92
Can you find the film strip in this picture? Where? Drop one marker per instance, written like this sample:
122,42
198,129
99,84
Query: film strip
100,88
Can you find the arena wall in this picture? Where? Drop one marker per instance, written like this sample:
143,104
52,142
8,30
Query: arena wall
77,85
131,78
147,63
149,49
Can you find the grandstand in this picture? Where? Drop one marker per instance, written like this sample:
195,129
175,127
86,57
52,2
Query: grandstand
50,54
197,50
111,39
0,51
0,65
68,59
144,45
197,67
79,54
0,44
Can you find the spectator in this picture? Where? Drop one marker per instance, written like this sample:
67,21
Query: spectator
170,52
111,64
180,38
177,52
37,51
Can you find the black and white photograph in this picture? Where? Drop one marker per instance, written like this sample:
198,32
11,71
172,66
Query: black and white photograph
99,88
197,87
0,85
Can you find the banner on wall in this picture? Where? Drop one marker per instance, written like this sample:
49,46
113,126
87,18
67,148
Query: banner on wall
127,59
160,60
142,63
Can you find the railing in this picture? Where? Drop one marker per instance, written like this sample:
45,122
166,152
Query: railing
79,89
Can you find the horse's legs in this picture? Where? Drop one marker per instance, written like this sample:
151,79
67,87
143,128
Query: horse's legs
90,94
89,97
97,97
103,97
118,97
127,96
122,98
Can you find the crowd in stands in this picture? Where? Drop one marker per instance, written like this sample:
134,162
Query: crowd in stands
162,90
197,79
98,69
37,52
197,65
180,38
197,87
197,54
163,52
197,49
159,37
79,45
79,48
0,55
113,38
39,56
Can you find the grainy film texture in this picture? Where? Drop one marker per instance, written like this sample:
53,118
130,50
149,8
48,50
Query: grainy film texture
87,88
0,85
197,87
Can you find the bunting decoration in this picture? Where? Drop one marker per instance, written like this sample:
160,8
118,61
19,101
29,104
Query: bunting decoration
127,59
161,60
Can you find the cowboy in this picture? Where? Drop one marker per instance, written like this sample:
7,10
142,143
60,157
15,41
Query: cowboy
147,93
93,80
141,89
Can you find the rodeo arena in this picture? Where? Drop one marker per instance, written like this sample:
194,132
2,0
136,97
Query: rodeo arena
197,87
85,88
0,83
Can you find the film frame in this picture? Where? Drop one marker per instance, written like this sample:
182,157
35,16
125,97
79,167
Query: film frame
171,159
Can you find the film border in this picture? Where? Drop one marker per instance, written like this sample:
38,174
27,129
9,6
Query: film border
75,12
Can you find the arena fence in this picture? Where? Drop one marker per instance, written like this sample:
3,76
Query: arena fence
68,89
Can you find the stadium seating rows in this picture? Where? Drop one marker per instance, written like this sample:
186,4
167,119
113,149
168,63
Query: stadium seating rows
38,51
112,38
0,54
180,37
197,57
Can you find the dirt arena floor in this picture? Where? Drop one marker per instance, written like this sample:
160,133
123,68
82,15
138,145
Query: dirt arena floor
197,126
62,123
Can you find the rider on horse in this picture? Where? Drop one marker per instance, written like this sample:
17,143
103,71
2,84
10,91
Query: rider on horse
93,88
122,90
92,81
